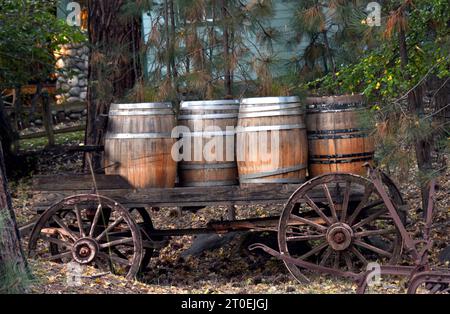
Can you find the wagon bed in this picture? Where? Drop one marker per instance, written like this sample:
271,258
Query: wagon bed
47,190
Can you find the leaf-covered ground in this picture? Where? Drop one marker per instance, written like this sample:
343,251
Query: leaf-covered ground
229,269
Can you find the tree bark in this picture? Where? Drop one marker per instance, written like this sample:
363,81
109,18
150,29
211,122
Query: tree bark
328,51
416,106
114,64
226,51
8,136
12,262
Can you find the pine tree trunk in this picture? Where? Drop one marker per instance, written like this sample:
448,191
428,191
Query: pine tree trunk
7,135
12,262
226,51
416,106
172,39
328,51
114,65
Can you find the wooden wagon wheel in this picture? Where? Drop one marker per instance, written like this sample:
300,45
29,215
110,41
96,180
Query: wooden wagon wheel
90,230
341,231
8,97
150,242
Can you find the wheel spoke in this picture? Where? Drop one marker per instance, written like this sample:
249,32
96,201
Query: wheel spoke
65,227
56,241
95,220
368,233
337,259
359,255
80,221
317,209
110,227
115,258
116,242
315,250
372,205
370,218
326,256
306,237
307,222
59,256
330,202
368,191
345,201
348,261
372,248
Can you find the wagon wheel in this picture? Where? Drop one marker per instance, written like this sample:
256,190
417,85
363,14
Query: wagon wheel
90,230
150,242
342,220
8,97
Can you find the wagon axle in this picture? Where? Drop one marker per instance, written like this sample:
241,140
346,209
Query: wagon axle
85,250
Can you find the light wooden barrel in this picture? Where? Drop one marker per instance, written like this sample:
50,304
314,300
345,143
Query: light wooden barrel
212,126
337,142
138,144
264,120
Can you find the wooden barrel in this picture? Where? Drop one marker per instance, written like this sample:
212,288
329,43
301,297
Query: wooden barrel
211,125
272,144
138,144
337,142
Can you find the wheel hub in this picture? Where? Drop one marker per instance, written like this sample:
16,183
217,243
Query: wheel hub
85,250
339,236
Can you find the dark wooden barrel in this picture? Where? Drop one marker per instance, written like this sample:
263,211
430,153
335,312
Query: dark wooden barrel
138,144
212,126
337,141
280,161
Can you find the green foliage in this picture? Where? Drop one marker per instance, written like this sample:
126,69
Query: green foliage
378,74
30,32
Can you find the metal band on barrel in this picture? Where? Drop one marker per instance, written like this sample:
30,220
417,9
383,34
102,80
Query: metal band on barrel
209,133
269,100
228,165
207,108
365,154
210,183
259,108
339,161
337,131
218,103
117,136
160,112
337,136
209,116
271,128
272,173
160,105
265,181
294,112
318,108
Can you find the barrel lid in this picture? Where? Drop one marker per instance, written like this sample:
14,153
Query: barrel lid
270,100
205,103
142,106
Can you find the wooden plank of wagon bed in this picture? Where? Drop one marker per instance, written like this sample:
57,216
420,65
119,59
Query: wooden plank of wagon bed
50,190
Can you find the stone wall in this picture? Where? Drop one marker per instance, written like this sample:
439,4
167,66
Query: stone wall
72,83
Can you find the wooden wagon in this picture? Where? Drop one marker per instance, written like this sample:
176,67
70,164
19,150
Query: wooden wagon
101,220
